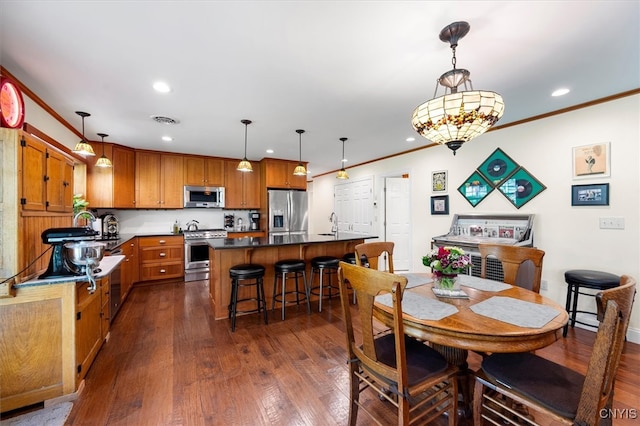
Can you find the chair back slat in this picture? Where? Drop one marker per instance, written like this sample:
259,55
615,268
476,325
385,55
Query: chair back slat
597,392
373,252
522,266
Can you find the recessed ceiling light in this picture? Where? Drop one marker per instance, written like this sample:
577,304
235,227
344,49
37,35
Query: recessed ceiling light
560,92
269,151
410,139
167,138
161,87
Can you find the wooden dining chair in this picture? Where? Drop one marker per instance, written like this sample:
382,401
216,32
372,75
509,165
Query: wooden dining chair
373,252
522,266
553,390
407,373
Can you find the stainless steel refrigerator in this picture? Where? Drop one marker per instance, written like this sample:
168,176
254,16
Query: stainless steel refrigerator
288,212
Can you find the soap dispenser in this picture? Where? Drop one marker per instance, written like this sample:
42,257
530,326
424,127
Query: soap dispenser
176,227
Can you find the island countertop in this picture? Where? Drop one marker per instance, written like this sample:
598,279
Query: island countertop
284,240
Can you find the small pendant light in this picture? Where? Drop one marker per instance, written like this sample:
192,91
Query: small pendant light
300,170
245,165
103,161
83,148
342,173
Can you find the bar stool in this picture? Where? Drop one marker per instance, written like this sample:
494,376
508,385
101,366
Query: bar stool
324,265
582,278
239,274
282,269
351,258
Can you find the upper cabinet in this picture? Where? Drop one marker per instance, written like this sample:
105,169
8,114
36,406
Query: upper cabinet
203,171
242,189
46,178
159,180
279,174
112,186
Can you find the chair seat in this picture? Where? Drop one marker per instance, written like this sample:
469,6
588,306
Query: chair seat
289,265
325,262
592,279
246,271
422,360
553,386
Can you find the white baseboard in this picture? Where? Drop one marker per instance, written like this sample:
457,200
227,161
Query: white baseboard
633,334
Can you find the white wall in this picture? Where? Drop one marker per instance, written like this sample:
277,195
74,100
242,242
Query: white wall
570,236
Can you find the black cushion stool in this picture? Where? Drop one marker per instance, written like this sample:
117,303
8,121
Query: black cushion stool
324,265
247,272
282,269
583,278
351,258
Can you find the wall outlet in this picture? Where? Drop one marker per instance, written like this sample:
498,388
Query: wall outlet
612,223
544,285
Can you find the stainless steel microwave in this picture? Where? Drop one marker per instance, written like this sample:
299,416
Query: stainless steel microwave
211,197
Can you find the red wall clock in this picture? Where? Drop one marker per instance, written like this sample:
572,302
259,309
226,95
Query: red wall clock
11,104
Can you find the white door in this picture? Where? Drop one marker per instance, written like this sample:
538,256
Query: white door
354,206
397,221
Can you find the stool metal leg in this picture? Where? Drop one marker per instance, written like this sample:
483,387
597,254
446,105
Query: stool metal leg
306,291
262,301
234,304
568,308
320,273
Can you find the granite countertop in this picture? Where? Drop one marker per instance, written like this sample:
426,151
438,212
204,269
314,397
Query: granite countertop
283,240
107,264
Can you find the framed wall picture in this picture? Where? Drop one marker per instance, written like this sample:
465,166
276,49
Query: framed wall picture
592,161
440,204
596,194
439,181
475,188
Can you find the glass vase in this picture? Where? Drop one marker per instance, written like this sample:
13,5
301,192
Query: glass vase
446,281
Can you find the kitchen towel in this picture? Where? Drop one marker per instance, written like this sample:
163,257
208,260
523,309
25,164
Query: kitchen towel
419,306
516,312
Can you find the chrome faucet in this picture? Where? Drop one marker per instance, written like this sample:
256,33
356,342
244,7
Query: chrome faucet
334,222
92,218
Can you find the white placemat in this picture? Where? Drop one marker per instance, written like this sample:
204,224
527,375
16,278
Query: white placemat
481,283
419,306
516,312
414,280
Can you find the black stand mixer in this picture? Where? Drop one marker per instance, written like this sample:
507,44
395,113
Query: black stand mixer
62,262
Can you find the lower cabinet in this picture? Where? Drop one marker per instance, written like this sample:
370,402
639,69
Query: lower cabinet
161,257
92,323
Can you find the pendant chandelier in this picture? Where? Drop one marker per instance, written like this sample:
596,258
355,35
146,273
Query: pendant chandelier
103,161
342,173
457,116
245,165
83,148
300,170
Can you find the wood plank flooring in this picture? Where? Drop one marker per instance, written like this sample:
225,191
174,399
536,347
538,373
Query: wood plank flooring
169,363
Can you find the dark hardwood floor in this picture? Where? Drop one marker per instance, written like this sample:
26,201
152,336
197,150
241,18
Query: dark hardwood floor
169,363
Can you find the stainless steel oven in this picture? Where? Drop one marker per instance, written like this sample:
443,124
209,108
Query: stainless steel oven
196,253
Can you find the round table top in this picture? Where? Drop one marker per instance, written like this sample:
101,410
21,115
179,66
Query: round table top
466,329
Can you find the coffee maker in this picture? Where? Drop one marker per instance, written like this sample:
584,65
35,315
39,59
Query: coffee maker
255,221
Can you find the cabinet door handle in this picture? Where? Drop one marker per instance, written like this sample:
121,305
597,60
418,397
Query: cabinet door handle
162,242
163,254
162,271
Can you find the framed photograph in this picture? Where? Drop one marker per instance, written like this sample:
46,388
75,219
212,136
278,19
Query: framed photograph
521,187
440,204
592,161
439,181
596,194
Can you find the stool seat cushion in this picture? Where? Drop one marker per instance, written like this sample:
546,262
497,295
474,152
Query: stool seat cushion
246,270
325,262
591,279
289,265
351,258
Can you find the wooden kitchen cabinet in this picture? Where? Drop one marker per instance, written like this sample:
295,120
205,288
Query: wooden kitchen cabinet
159,180
112,187
89,326
161,257
130,267
46,177
242,189
279,174
203,171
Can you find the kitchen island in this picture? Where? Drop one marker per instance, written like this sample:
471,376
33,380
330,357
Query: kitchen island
266,251
52,330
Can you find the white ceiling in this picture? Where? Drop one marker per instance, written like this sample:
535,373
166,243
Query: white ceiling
353,69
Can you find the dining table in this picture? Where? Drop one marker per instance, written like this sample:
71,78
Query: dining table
484,316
